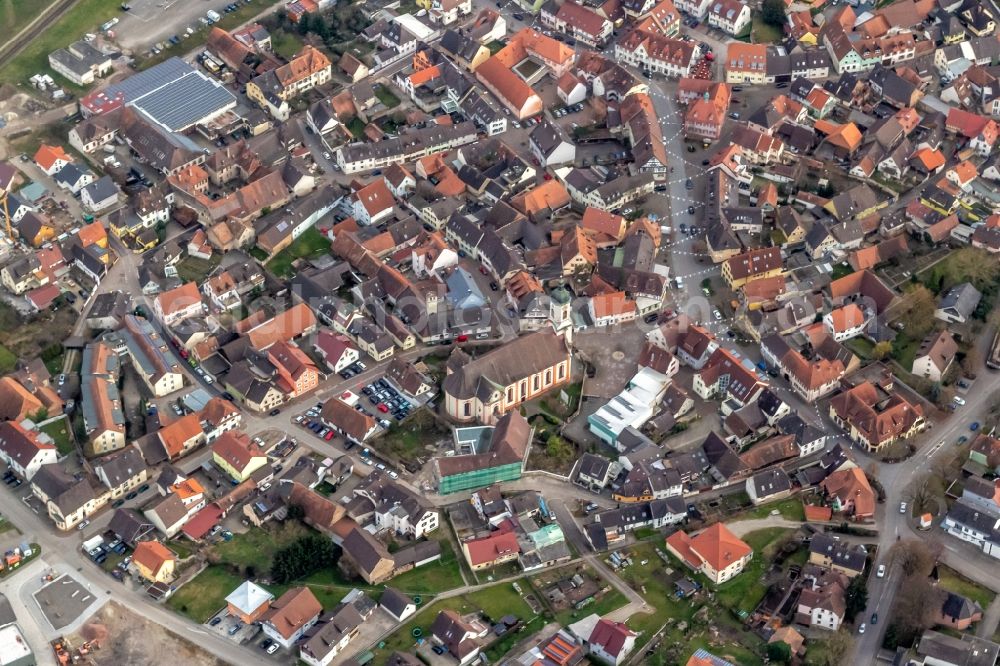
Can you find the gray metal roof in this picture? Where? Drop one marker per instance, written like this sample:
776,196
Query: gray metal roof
184,101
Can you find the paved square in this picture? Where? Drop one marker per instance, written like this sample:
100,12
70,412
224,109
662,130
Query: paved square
63,601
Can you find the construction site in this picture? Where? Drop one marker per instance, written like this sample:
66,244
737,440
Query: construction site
115,635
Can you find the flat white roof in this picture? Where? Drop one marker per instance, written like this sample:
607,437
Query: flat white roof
12,645
414,25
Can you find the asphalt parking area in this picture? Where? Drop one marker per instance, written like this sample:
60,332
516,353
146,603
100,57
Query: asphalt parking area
63,601
614,352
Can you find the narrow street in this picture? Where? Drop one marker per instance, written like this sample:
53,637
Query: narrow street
63,549
897,480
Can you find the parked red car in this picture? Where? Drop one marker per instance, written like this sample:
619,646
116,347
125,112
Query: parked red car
382,408
328,436
461,338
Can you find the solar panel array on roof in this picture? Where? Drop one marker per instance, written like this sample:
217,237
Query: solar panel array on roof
185,101
149,80
173,94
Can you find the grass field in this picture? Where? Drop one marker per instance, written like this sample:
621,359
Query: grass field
309,245
85,16
60,434
7,526
256,548
655,585
432,578
15,15
7,360
286,44
205,594
744,592
495,602
951,580
765,33
387,97
610,601
196,269
406,441
790,509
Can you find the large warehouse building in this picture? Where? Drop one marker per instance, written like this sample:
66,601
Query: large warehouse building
173,94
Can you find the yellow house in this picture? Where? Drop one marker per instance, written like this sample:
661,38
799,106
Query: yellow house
154,561
237,456
753,265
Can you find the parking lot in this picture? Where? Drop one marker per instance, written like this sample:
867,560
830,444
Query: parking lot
63,601
150,21
231,627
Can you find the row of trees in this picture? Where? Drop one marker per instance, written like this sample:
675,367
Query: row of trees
333,28
302,557
918,602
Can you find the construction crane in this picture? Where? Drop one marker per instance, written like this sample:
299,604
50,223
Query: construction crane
6,212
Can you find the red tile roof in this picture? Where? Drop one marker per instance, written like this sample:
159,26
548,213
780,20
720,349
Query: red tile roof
491,548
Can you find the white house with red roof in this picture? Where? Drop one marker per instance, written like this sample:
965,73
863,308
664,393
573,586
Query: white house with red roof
337,351
489,551
715,552
51,159
373,203
611,642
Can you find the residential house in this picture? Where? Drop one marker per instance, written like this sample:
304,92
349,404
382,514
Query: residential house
23,451
875,416
715,552
730,16
459,637
123,472
237,456
958,304
248,602
290,616
850,493
935,355
154,562
491,550
838,555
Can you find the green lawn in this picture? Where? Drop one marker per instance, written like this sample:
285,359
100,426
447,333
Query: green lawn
85,16
285,44
433,578
951,580
256,547
904,349
357,127
205,594
7,526
15,15
183,549
309,245
495,602
7,360
609,601
196,269
387,97
840,270
743,593
861,346
765,33
676,646
791,509
60,434
407,440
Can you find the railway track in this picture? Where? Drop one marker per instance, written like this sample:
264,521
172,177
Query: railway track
21,41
